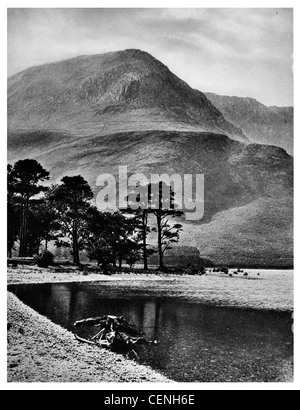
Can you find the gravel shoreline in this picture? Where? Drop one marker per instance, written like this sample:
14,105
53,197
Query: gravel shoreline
35,275
41,351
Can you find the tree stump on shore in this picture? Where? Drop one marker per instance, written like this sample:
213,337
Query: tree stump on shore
115,333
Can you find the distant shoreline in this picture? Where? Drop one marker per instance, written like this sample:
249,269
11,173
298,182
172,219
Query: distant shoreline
254,291
28,274
260,267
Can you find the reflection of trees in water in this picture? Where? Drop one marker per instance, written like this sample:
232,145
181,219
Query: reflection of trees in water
57,301
151,319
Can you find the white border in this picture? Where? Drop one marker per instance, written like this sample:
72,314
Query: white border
3,144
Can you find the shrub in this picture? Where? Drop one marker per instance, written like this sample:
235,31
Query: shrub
45,259
194,269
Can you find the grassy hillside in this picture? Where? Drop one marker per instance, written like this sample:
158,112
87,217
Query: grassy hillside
259,234
248,188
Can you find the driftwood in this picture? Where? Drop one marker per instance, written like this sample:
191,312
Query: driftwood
115,333
81,339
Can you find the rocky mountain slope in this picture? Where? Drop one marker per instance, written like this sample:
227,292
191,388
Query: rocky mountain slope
261,124
103,94
155,123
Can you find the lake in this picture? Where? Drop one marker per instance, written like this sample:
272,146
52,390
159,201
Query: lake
201,338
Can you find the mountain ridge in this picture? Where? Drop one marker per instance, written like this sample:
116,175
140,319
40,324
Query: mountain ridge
261,124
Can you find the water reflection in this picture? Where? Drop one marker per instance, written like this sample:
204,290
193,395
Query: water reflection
197,343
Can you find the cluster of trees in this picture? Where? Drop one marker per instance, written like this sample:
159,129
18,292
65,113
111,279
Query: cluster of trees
38,214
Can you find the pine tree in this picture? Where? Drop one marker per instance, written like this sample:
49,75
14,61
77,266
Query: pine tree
71,201
27,175
164,208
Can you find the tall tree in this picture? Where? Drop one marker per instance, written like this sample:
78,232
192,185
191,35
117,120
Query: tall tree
98,241
71,200
124,234
43,224
164,208
13,212
141,214
142,217
27,175
157,200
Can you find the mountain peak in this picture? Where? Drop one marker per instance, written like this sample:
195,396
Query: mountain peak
126,90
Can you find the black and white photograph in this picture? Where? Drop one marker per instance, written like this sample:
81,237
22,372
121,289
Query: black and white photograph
150,198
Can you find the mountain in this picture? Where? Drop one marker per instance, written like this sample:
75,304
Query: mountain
92,114
108,93
261,124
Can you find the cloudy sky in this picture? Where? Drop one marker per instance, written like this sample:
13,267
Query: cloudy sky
243,52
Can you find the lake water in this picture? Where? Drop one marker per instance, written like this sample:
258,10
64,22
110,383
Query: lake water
199,342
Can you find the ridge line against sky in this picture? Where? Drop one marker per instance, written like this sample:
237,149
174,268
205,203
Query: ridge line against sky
236,52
